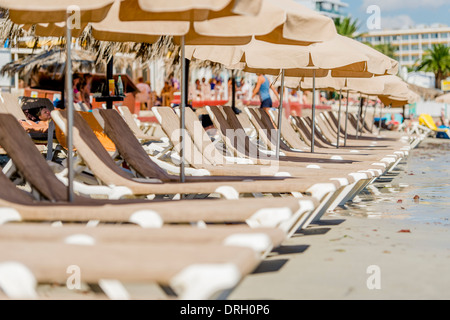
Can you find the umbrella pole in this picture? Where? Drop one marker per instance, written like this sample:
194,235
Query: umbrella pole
379,121
182,110
339,119
233,90
313,111
346,121
373,117
364,115
359,117
69,89
280,115
109,76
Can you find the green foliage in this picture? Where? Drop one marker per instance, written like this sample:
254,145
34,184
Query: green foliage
347,27
436,60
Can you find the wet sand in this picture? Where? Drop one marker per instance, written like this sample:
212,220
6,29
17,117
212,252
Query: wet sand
376,248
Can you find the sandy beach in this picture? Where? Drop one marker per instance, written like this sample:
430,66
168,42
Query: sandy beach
387,245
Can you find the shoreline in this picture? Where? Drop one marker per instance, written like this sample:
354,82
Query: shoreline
392,256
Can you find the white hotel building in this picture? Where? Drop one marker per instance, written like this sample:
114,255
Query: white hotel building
330,8
410,44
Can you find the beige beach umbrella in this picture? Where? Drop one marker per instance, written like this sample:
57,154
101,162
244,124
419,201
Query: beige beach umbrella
445,98
223,30
399,100
297,61
47,11
234,25
76,13
300,24
186,10
314,61
113,29
378,63
116,30
384,87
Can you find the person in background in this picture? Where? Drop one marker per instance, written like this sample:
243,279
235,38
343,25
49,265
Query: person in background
219,91
86,90
166,94
212,83
244,92
76,81
174,82
152,96
205,89
144,93
195,91
262,88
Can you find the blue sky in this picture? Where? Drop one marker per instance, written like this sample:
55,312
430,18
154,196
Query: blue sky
402,13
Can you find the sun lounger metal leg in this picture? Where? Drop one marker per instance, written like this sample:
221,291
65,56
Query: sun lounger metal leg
51,130
323,192
9,169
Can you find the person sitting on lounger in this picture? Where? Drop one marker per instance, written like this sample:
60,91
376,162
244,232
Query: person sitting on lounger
37,120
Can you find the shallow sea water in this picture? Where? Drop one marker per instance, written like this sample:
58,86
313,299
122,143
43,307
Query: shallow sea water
417,189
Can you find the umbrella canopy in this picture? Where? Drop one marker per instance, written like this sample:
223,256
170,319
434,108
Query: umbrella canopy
149,30
345,57
113,29
24,12
289,22
444,98
186,10
387,85
378,63
298,61
401,100
47,11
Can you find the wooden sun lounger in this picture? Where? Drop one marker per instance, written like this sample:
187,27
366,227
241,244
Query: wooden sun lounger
136,157
351,130
350,181
388,149
285,213
9,103
332,162
194,129
369,153
110,174
198,141
128,118
322,192
356,187
189,271
404,142
261,240
340,195
112,123
331,136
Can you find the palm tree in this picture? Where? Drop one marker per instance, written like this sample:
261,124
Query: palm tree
347,27
436,60
386,49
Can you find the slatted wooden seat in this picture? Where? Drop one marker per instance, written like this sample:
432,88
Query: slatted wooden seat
39,175
216,268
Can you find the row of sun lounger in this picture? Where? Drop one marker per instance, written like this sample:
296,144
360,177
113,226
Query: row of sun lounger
131,219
